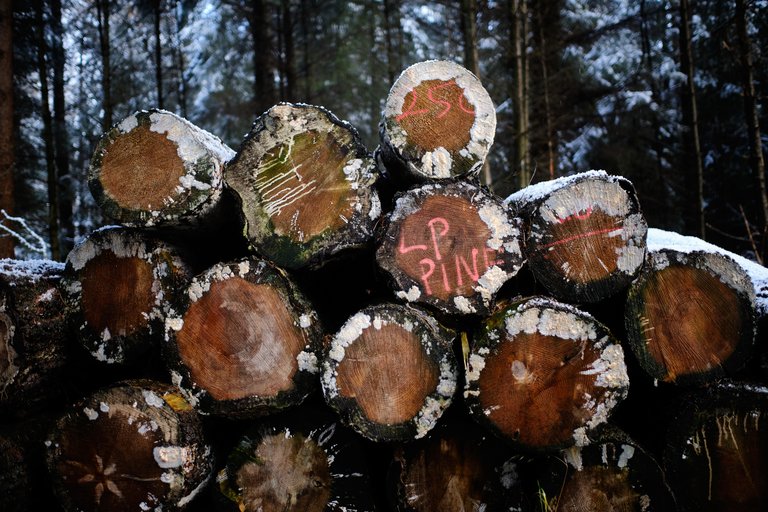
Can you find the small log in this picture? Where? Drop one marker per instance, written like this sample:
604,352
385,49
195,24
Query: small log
243,341
438,122
307,463
585,234
544,375
390,372
34,341
717,450
305,184
451,247
690,315
120,284
134,446
155,168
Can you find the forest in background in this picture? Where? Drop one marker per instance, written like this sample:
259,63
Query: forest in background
670,95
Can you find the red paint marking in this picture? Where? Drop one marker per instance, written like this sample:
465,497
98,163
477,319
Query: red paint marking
446,105
436,235
409,111
464,107
580,235
578,216
402,249
427,273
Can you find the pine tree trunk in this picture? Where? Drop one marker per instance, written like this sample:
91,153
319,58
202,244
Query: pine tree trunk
544,375
102,16
521,162
251,309
585,234
390,372
392,35
157,12
264,89
450,247
7,155
305,185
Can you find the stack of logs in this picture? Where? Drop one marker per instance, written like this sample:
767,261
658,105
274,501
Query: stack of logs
302,325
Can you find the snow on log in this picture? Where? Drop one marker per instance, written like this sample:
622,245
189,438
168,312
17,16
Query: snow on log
305,184
451,247
390,372
544,375
585,235
690,315
243,341
438,122
120,284
155,168
135,446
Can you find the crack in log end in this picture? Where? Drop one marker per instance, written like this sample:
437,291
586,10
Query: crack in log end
140,170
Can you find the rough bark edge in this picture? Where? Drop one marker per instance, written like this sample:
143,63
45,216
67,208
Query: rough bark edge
493,330
482,132
505,229
203,156
433,337
256,271
258,229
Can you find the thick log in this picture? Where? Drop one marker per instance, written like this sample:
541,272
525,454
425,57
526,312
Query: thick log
157,169
390,372
690,315
305,184
585,234
451,247
34,341
717,450
243,341
120,284
544,375
15,478
307,463
134,446
438,122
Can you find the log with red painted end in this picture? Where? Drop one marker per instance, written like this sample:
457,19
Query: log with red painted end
120,284
438,122
390,372
690,315
585,234
306,462
243,341
135,446
34,336
544,374
451,247
305,184
716,458
157,169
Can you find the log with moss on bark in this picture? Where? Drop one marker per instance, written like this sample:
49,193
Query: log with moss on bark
438,122
304,181
135,446
585,234
120,284
690,316
390,372
34,337
303,462
155,168
451,247
243,340
717,448
544,374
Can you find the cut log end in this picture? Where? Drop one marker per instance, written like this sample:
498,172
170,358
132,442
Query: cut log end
439,122
390,373
565,371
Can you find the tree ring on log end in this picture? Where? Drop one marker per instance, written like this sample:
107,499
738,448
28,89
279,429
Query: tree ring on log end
690,318
439,121
544,374
305,181
451,247
390,373
244,339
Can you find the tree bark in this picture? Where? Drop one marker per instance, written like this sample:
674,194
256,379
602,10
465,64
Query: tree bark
450,247
518,11
157,13
585,234
102,17
390,372
264,87
393,38
7,145
181,88
305,185
544,375
289,65
544,63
